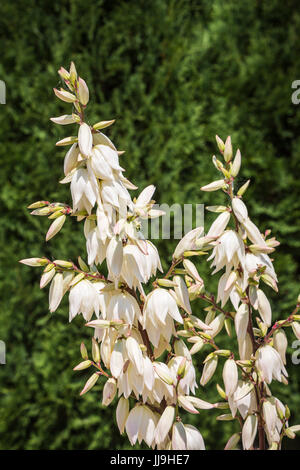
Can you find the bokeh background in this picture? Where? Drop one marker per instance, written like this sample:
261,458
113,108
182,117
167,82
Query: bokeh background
173,74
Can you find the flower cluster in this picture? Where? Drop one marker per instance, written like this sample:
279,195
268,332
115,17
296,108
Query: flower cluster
144,343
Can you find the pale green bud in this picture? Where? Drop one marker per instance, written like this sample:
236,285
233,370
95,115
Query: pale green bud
221,392
95,351
243,188
83,265
37,204
67,141
103,124
228,150
90,383
83,91
166,283
226,417
290,434
220,143
83,365
63,263
83,351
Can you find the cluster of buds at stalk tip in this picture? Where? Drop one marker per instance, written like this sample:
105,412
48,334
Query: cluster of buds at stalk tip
144,344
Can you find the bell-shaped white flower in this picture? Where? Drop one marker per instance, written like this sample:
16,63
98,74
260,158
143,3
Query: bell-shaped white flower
56,292
122,413
280,343
109,391
230,376
164,424
264,307
83,299
71,159
269,363
160,310
85,139
229,251
219,225
243,399
187,383
140,425
99,166
123,306
84,190
239,209
188,242
249,431
194,439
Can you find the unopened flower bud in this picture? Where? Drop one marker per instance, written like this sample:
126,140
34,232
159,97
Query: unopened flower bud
103,124
83,365
83,351
90,383
214,186
220,143
65,95
109,391
55,227
243,188
228,150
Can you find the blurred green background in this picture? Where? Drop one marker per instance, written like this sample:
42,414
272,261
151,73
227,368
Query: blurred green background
173,74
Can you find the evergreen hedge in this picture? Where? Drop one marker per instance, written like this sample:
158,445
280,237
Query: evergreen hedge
173,74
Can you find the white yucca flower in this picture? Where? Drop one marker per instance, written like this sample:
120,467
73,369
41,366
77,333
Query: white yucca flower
269,363
99,166
273,425
71,159
230,376
253,233
208,370
56,292
194,438
187,383
164,424
239,209
229,251
118,358
241,321
83,299
160,310
188,242
186,437
219,225
243,399
182,294
84,190
123,306
249,431
85,139
114,193
253,262
179,437
280,343
109,391
95,247
138,267
264,307
141,424
135,354
122,413
141,204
